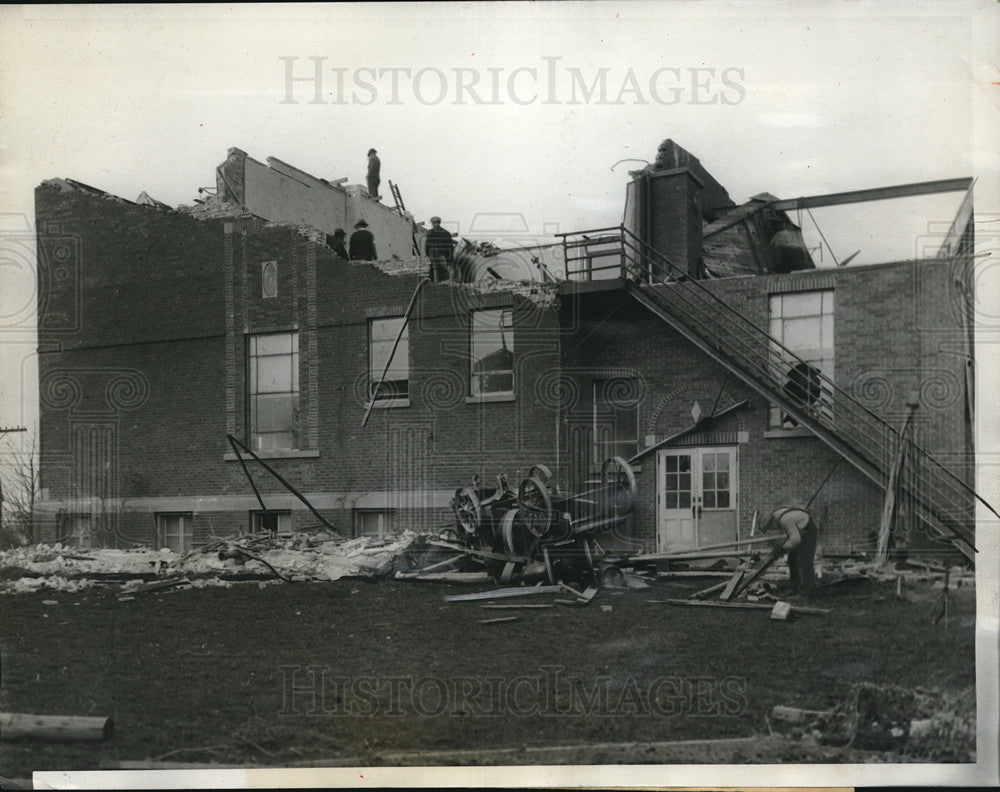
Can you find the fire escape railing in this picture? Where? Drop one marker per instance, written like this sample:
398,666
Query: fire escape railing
764,363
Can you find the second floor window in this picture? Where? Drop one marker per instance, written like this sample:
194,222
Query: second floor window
273,390
382,335
493,352
803,323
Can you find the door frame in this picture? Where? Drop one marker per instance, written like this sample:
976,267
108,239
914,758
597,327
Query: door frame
697,480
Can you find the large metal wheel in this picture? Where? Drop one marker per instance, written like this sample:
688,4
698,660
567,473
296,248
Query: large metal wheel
542,473
468,512
535,506
618,479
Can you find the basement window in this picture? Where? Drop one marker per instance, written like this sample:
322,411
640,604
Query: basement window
273,389
803,323
176,531
372,522
492,370
75,530
394,388
279,521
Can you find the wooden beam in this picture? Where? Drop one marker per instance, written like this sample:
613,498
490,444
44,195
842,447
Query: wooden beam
876,194
525,591
768,606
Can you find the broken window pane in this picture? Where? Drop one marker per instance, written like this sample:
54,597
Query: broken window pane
382,335
492,352
802,322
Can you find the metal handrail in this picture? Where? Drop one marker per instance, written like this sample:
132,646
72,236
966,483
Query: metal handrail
761,358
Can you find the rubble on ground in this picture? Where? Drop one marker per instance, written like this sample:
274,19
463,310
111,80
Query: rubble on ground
250,557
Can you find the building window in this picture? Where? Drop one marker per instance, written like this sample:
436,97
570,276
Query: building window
371,522
382,335
276,521
74,530
273,373
803,323
615,418
493,352
269,279
176,531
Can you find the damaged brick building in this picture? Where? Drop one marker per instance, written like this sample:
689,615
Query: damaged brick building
672,340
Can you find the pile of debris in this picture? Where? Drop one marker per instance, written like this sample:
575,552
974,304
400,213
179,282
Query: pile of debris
300,556
930,724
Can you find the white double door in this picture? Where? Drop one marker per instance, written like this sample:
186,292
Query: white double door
696,497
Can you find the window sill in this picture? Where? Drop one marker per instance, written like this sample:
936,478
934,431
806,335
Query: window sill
388,404
229,456
798,431
486,398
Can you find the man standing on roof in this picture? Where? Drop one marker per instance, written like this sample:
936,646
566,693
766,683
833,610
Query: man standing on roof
438,246
800,544
362,245
374,175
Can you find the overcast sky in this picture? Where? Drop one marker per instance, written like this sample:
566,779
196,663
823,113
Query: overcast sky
500,108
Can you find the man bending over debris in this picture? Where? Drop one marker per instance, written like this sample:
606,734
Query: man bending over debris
800,544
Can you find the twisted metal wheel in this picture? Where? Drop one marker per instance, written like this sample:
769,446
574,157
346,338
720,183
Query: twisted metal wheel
468,512
534,504
618,479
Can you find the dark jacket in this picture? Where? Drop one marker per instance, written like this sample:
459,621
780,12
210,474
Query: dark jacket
363,245
438,244
336,244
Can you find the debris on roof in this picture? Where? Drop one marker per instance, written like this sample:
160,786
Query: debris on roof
145,199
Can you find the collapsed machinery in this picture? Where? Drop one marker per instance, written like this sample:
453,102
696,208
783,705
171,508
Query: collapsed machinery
536,530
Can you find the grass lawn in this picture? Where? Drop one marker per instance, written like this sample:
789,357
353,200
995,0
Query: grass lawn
206,675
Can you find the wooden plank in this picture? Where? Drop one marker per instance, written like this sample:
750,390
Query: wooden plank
525,591
500,620
442,564
744,606
55,728
732,585
889,505
445,577
710,590
480,553
517,606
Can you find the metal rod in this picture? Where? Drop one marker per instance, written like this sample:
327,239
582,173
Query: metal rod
395,345
283,483
246,472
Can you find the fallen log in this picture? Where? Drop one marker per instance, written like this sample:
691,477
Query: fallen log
55,728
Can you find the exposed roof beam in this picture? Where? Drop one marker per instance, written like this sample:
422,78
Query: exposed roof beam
877,194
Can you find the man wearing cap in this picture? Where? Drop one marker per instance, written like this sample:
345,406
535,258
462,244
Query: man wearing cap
336,243
438,247
800,544
374,175
362,245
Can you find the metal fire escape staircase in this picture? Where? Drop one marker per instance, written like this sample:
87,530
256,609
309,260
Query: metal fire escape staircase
941,499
